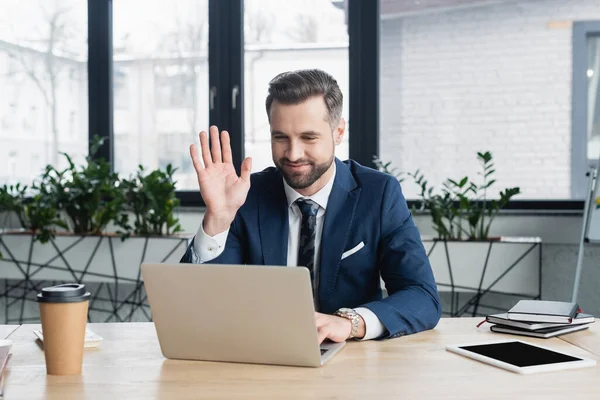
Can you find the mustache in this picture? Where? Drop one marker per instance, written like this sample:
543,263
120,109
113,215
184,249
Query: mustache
297,162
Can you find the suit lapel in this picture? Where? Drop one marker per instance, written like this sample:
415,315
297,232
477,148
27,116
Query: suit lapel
273,223
341,207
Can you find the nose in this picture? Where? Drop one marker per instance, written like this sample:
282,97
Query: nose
294,151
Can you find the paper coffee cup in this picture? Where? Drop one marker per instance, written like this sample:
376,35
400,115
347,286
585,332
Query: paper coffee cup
63,310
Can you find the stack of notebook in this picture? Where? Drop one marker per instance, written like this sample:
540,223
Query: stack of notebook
540,318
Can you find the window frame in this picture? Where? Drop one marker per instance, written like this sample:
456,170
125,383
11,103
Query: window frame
226,76
100,79
580,163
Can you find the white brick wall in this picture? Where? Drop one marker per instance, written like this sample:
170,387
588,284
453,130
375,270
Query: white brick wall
491,78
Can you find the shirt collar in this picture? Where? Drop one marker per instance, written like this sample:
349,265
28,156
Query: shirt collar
321,197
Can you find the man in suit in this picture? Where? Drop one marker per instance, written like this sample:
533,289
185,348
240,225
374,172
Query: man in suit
346,223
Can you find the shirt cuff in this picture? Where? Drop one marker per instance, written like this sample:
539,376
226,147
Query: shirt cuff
373,326
209,247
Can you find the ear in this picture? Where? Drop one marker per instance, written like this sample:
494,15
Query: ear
338,133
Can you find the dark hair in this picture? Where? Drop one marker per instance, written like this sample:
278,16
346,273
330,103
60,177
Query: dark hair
294,87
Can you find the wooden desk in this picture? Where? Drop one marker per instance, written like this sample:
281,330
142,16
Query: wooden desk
7,330
588,339
129,365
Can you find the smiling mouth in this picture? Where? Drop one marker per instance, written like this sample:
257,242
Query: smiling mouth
296,166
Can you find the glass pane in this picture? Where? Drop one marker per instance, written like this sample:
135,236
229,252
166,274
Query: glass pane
288,35
43,86
160,84
593,74
472,76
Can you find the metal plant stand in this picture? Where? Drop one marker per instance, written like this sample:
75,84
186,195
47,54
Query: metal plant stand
483,285
116,296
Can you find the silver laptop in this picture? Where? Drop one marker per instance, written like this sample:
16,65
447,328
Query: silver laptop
235,313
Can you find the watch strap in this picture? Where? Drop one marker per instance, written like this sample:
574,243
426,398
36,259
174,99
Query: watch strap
354,318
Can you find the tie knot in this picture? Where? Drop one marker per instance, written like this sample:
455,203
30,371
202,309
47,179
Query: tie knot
307,207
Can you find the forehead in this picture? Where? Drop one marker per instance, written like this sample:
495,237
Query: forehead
312,111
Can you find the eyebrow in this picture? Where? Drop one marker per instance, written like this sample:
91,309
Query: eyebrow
314,133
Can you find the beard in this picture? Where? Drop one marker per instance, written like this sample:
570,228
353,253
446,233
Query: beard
302,179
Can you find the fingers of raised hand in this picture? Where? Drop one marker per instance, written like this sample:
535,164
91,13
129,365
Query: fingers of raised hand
196,159
206,157
215,145
226,147
246,169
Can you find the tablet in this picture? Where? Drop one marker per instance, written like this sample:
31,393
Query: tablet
520,357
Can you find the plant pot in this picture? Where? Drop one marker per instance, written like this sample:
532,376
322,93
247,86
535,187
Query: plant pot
101,260
500,271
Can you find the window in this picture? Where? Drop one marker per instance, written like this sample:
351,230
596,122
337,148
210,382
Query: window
585,114
175,86
43,55
122,148
12,162
149,83
72,124
121,95
160,76
473,76
281,36
593,90
171,145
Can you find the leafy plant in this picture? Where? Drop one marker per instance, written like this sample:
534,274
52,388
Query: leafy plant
86,199
463,208
37,214
42,218
89,194
12,199
388,168
151,199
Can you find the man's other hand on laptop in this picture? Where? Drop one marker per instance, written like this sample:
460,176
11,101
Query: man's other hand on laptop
336,329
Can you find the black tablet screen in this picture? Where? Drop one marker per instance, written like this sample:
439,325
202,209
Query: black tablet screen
520,354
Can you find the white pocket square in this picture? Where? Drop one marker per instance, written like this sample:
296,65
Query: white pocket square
353,250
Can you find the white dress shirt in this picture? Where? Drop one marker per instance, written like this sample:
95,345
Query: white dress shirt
208,248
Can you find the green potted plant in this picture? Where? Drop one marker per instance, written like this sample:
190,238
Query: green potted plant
89,194
150,199
12,199
463,208
85,222
467,263
35,212
79,199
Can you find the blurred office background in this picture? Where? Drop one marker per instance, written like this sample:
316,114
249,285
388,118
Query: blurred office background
427,85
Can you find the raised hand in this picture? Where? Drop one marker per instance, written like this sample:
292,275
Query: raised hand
223,191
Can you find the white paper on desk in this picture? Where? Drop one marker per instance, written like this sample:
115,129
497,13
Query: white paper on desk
91,339
5,346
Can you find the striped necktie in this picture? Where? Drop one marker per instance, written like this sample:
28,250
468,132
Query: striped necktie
306,248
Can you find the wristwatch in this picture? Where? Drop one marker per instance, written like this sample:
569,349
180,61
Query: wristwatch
354,318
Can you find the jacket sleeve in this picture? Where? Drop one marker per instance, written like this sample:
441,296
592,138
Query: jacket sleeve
233,253
413,304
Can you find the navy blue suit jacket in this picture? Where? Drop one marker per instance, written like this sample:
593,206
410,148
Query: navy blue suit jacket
365,205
